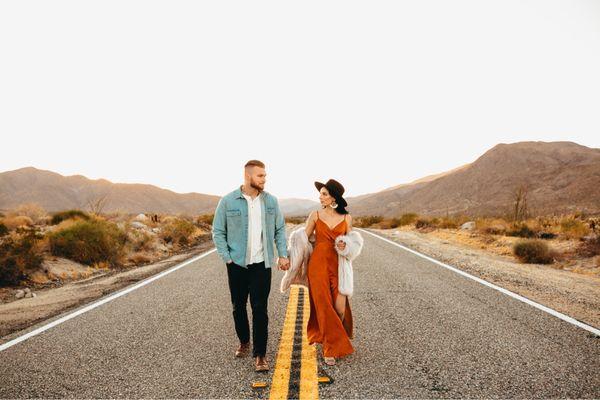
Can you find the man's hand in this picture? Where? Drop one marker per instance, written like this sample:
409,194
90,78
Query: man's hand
341,245
283,263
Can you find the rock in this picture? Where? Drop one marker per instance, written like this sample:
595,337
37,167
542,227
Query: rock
20,294
468,226
33,294
27,290
141,217
156,230
138,225
29,294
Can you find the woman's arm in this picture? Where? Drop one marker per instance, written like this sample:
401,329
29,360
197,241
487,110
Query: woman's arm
311,221
349,223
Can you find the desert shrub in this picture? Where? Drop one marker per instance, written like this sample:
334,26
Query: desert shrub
521,230
89,241
177,231
140,240
384,224
589,248
495,226
365,222
533,251
448,223
3,230
405,219
31,210
208,219
423,223
58,217
20,252
293,220
17,221
573,228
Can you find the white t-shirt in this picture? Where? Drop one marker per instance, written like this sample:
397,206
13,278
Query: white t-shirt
254,253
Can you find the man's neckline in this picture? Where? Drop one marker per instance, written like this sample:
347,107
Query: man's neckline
247,195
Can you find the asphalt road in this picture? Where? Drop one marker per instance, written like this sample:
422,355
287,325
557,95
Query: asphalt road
421,331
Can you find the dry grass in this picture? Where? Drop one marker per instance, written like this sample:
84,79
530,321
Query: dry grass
139,258
17,221
573,228
31,210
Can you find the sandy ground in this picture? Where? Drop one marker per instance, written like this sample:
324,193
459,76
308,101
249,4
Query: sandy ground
573,294
82,286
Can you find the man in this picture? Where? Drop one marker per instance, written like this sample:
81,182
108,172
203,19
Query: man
246,223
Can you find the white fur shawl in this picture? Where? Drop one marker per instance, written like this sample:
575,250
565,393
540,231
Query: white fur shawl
300,250
354,244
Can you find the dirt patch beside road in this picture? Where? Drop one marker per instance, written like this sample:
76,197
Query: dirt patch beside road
18,314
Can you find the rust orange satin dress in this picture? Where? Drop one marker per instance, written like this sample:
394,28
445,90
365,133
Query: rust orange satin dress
324,324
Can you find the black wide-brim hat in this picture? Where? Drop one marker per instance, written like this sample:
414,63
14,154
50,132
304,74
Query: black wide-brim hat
335,189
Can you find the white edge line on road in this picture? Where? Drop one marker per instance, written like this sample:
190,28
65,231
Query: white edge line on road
102,301
500,289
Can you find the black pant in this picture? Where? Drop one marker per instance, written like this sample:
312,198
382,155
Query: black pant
256,281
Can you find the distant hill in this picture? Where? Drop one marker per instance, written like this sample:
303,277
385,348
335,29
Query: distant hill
297,207
56,192
561,177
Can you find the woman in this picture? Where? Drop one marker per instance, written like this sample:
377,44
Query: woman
330,321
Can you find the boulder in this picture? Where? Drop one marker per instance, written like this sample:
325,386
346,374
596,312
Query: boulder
468,226
141,217
138,225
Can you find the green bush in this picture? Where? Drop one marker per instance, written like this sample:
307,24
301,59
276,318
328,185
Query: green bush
63,215
177,231
89,241
533,251
19,254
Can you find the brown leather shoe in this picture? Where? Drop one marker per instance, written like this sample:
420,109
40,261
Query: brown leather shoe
243,350
260,364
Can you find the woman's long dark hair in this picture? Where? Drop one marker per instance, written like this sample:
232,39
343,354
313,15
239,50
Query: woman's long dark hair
340,209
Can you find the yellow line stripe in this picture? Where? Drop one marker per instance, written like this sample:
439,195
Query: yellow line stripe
309,385
281,376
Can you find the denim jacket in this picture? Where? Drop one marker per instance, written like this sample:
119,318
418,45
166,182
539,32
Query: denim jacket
230,228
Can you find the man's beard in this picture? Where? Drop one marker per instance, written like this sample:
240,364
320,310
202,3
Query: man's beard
256,186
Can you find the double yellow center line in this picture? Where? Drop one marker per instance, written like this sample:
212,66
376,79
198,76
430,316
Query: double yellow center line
295,375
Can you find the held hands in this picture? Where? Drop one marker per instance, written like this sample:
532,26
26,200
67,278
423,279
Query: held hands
341,245
283,263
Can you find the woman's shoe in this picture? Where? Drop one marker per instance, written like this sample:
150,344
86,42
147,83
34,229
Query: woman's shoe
329,360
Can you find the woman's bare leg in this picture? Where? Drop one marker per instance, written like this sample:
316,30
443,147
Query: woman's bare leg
340,305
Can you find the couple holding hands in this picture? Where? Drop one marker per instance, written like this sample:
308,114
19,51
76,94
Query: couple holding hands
248,223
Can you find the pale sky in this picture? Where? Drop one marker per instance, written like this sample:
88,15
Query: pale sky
372,93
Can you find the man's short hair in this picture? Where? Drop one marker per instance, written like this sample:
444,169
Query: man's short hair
254,163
